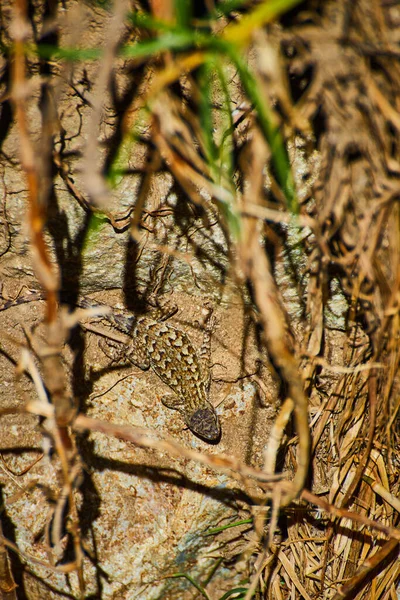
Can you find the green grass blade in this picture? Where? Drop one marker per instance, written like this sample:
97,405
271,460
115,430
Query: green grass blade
280,158
227,142
192,581
240,590
183,12
205,78
228,526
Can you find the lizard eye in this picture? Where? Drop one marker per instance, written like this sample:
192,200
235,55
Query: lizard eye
204,422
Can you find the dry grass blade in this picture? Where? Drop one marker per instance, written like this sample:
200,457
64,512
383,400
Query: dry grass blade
144,439
95,183
256,266
375,563
7,583
201,152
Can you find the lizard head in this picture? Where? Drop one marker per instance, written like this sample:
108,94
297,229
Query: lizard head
204,423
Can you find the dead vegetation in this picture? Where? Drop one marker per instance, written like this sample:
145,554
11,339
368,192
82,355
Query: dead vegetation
246,156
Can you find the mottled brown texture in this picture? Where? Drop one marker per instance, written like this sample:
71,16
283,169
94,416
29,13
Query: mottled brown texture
171,355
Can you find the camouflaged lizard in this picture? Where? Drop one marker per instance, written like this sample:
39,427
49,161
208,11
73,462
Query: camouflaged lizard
171,355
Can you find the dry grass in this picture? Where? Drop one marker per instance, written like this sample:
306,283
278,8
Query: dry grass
314,252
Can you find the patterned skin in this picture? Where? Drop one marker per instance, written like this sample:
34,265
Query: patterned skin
171,355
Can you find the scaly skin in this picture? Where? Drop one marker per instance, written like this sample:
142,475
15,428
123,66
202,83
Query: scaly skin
170,353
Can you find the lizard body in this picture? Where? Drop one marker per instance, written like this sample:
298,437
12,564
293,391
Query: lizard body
171,355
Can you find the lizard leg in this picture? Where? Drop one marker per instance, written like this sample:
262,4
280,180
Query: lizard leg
114,351
137,355
172,401
163,308
122,354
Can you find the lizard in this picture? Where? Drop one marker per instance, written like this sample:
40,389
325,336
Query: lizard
171,355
